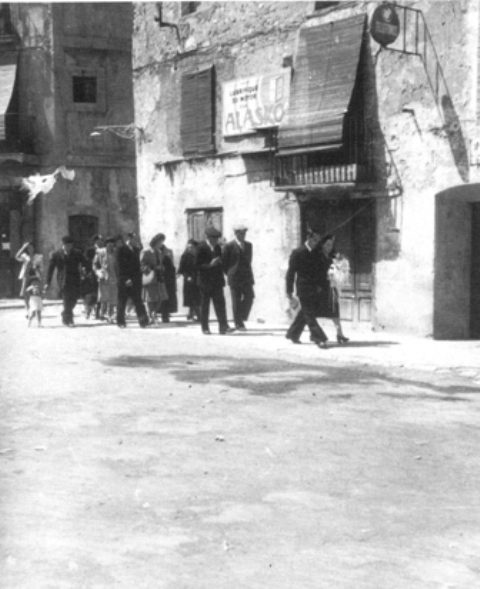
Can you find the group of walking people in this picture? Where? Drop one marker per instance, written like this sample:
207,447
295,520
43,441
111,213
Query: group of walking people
113,272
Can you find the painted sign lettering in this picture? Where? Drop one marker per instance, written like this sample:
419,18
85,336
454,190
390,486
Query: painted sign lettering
255,103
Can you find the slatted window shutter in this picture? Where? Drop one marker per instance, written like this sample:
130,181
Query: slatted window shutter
197,113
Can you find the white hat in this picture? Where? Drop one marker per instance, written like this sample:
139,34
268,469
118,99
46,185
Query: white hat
240,227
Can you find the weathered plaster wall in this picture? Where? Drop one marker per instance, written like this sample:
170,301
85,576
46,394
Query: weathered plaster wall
240,39
106,193
428,149
95,37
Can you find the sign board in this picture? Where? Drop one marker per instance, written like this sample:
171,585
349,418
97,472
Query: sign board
257,102
385,24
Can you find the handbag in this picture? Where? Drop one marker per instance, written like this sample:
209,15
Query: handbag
148,278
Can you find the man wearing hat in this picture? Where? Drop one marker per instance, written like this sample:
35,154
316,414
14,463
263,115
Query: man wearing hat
69,263
237,265
129,280
210,280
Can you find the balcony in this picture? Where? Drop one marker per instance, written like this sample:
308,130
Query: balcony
17,133
349,162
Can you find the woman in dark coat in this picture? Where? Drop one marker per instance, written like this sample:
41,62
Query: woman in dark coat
191,292
166,258
328,303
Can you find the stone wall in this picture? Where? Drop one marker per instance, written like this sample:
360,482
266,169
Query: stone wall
56,41
428,145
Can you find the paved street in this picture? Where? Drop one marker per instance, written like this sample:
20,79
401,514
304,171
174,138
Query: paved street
165,459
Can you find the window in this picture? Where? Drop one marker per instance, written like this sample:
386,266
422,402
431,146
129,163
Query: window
189,7
88,89
5,20
199,219
197,113
84,89
322,5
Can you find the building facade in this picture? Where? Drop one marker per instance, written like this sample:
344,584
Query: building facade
65,69
356,118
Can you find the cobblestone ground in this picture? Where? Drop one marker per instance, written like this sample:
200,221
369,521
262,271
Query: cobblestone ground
165,459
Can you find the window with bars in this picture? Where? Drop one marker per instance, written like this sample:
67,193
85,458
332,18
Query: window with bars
197,127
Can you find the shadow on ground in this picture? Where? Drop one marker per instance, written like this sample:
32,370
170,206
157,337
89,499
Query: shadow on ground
274,378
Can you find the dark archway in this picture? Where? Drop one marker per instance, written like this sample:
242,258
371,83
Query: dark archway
457,237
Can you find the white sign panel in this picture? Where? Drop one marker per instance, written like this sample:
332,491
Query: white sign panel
258,102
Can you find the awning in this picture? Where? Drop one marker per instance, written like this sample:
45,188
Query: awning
8,71
324,78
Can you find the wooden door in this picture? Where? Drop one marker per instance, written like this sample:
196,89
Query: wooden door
352,222
475,274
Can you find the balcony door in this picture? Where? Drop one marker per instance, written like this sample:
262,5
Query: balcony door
352,222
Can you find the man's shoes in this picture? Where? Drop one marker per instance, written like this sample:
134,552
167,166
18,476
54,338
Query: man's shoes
206,332
322,344
70,324
226,330
294,340
121,325
241,328
341,339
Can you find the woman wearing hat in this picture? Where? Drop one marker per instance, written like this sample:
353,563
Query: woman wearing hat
153,289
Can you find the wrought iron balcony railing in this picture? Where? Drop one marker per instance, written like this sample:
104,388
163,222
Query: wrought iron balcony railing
349,162
17,133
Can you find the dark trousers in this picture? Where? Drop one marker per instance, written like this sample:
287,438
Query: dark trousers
69,299
307,316
242,301
217,297
133,292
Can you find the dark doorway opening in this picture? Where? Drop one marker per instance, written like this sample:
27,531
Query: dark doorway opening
475,274
353,223
81,229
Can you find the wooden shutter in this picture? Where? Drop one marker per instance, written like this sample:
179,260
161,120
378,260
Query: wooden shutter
324,79
197,113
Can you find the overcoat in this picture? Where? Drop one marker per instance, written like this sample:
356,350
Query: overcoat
237,263
209,277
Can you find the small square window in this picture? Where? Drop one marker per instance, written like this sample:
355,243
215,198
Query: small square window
85,89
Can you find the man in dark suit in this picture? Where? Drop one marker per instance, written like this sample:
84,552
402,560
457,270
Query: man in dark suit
304,265
129,280
210,280
237,265
69,263
90,254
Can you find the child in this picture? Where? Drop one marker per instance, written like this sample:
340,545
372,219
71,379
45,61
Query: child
34,301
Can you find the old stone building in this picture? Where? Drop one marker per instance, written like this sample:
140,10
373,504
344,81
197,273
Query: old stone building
358,118
65,69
